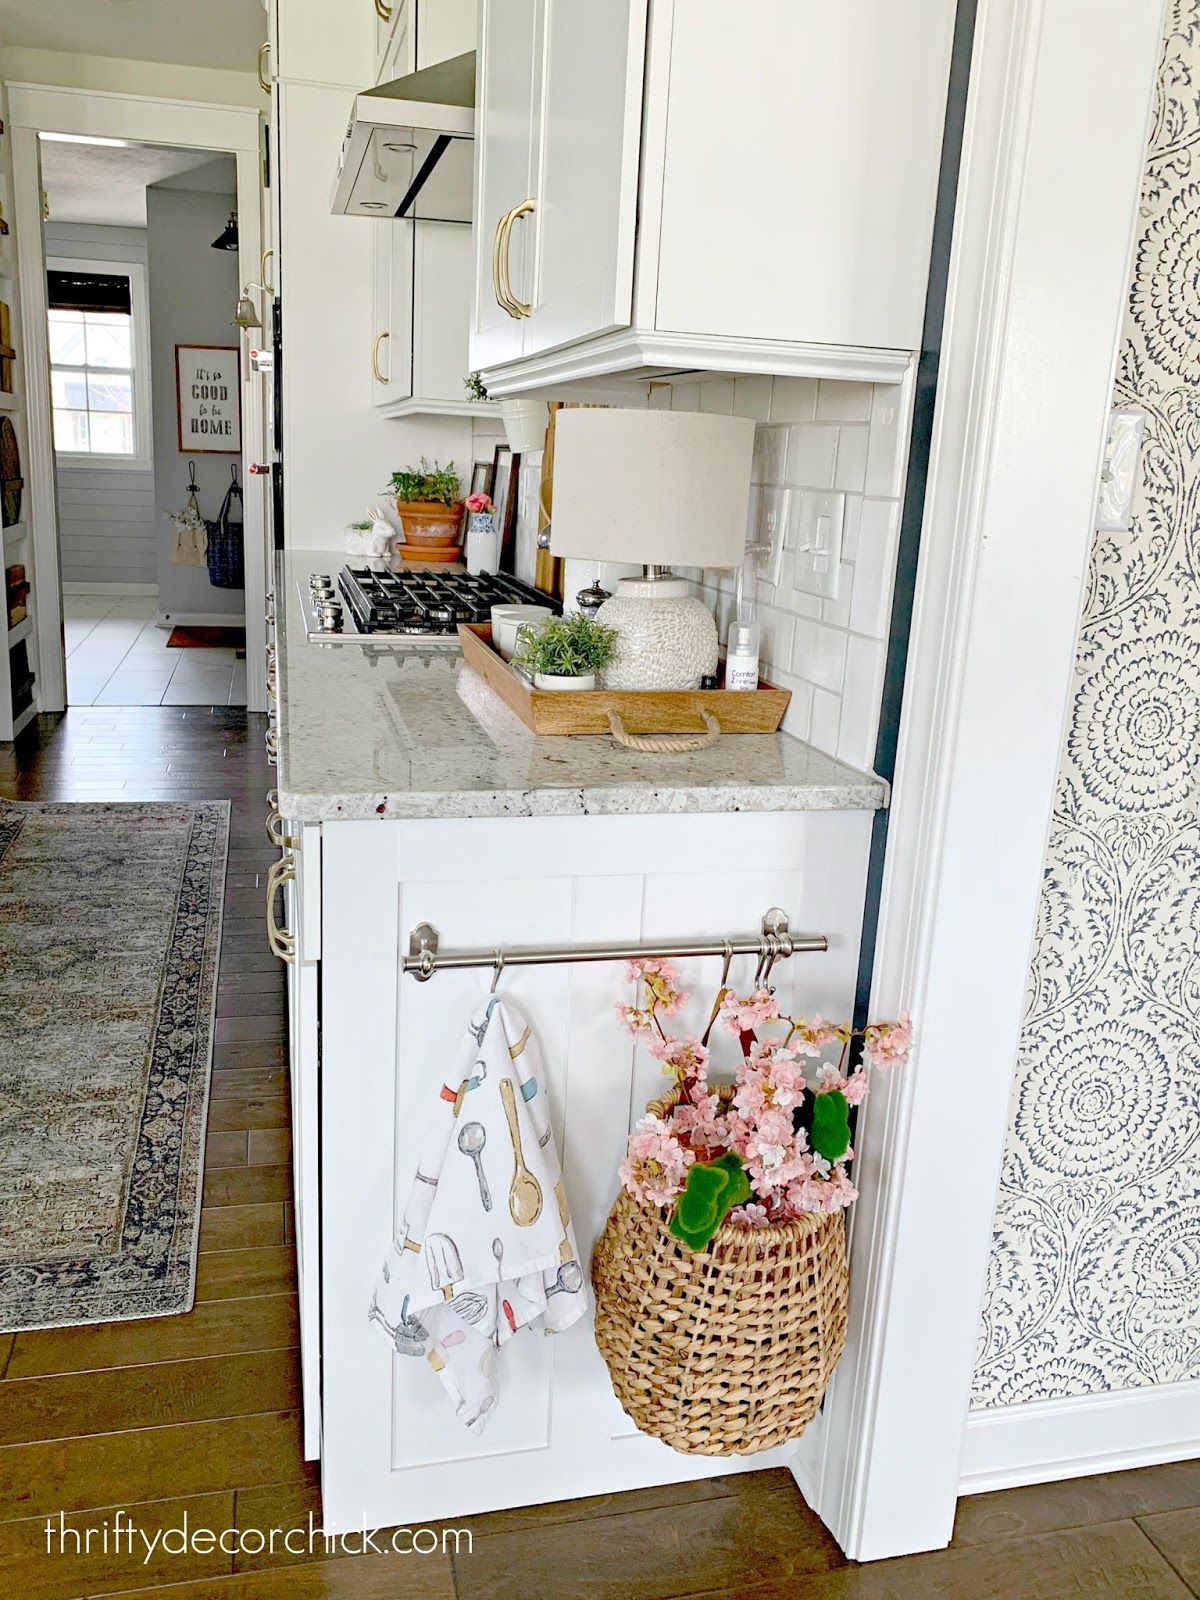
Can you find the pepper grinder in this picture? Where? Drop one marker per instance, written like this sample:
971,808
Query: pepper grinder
590,600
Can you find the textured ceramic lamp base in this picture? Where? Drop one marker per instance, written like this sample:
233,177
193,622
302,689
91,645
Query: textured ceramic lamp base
667,639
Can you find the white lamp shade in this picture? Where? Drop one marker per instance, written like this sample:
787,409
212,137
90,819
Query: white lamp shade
664,487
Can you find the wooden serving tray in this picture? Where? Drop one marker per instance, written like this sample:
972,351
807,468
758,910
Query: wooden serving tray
564,711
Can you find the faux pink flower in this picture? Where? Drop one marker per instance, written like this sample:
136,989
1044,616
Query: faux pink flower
886,1044
749,1216
743,1016
480,502
655,1167
687,1058
855,1087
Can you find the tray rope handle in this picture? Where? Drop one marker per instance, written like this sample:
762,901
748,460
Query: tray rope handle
666,744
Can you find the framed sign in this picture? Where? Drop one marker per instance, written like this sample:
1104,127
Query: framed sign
208,387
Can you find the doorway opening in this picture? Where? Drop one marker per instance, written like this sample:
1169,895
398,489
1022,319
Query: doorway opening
141,254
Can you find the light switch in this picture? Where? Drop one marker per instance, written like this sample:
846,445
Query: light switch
771,530
1118,471
815,535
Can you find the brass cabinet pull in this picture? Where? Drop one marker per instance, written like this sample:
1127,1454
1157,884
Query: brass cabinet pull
379,338
264,82
515,307
497,247
275,833
281,940
272,742
382,11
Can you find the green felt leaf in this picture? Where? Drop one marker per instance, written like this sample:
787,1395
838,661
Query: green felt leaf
830,1136
712,1190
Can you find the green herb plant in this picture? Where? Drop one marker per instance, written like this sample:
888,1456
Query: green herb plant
429,481
473,384
567,647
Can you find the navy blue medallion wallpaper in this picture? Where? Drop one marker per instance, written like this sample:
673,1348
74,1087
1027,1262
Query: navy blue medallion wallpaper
1095,1274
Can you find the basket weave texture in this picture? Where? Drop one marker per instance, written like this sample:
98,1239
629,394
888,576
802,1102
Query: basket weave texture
726,1350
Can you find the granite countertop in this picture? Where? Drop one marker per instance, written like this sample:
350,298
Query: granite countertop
381,731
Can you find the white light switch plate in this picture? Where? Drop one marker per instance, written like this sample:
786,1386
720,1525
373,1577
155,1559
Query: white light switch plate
771,530
1118,473
815,534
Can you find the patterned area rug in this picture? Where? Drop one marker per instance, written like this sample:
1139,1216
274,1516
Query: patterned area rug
110,932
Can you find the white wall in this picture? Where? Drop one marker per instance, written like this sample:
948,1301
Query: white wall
106,518
193,295
160,79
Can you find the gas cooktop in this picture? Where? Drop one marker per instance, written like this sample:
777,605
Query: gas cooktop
373,606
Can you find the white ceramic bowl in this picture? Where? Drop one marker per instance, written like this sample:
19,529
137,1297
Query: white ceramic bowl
508,619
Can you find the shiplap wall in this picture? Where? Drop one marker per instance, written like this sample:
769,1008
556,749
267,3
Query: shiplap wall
108,530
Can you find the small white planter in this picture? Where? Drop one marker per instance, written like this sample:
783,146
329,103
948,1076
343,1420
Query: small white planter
525,424
586,680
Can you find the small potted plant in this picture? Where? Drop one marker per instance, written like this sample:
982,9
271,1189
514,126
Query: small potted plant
427,498
473,384
566,652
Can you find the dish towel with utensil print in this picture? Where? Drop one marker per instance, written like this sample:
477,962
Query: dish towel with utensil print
486,1246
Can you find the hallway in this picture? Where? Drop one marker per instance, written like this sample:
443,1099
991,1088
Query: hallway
117,656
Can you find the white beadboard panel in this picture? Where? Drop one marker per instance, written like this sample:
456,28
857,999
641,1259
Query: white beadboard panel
108,529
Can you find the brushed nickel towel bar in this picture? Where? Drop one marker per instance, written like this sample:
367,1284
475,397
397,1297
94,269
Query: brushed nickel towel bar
775,942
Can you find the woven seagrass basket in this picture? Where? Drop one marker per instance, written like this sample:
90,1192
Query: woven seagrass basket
726,1350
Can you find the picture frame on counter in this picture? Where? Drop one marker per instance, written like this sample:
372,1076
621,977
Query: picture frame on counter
506,468
481,478
208,395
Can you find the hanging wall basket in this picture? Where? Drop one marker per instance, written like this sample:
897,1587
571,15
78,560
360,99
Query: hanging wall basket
726,1350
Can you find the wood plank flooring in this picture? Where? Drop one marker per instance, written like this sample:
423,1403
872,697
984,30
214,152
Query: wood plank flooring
198,1416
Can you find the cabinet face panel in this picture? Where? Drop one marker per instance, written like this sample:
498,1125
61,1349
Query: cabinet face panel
801,165
444,260
445,28
393,1449
314,50
393,299
587,180
507,91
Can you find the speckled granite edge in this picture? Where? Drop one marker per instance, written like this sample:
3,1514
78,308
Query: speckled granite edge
869,795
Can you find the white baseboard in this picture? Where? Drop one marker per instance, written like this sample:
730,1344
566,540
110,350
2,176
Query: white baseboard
201,619
1045,1440
111,588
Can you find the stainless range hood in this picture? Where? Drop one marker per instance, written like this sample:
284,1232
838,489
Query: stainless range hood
409,147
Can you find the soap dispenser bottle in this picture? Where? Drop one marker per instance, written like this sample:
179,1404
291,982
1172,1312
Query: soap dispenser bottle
741,660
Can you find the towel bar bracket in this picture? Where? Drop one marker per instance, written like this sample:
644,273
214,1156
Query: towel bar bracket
774,942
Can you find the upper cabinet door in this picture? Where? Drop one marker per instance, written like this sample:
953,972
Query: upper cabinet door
800,171
586,193
507,94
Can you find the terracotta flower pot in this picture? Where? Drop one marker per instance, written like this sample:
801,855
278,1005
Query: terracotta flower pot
429,522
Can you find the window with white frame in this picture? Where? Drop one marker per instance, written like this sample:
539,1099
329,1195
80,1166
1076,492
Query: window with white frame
99,382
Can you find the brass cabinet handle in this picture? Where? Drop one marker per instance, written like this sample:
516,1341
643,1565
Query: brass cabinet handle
515,307
281,940
263,51
272,742
379,338
275,833
497,247
382,11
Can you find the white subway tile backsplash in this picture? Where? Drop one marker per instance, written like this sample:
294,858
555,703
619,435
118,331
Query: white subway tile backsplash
660,397
797,719
850,470
887,453
716,395
777,631
770,455
819,654
850,522
844,402
875,570
752,397
793,399
826,715
861,693
811,455
837,612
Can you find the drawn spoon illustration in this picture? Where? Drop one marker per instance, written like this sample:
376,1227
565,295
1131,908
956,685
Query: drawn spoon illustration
444,1262
525,1192
498,1252
569,1280
472,1137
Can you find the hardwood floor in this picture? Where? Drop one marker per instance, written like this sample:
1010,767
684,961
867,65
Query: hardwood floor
197,1416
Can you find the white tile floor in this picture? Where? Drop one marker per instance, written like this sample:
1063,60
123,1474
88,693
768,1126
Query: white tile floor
116,656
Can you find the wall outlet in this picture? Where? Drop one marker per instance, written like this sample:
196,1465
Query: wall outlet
1118,472
815,535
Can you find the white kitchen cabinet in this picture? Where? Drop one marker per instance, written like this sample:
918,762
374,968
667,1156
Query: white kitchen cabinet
423,278
392,1449
709,190
507,121
412,34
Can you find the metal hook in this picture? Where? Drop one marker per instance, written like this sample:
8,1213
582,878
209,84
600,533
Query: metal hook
768,953
727,964
499,970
